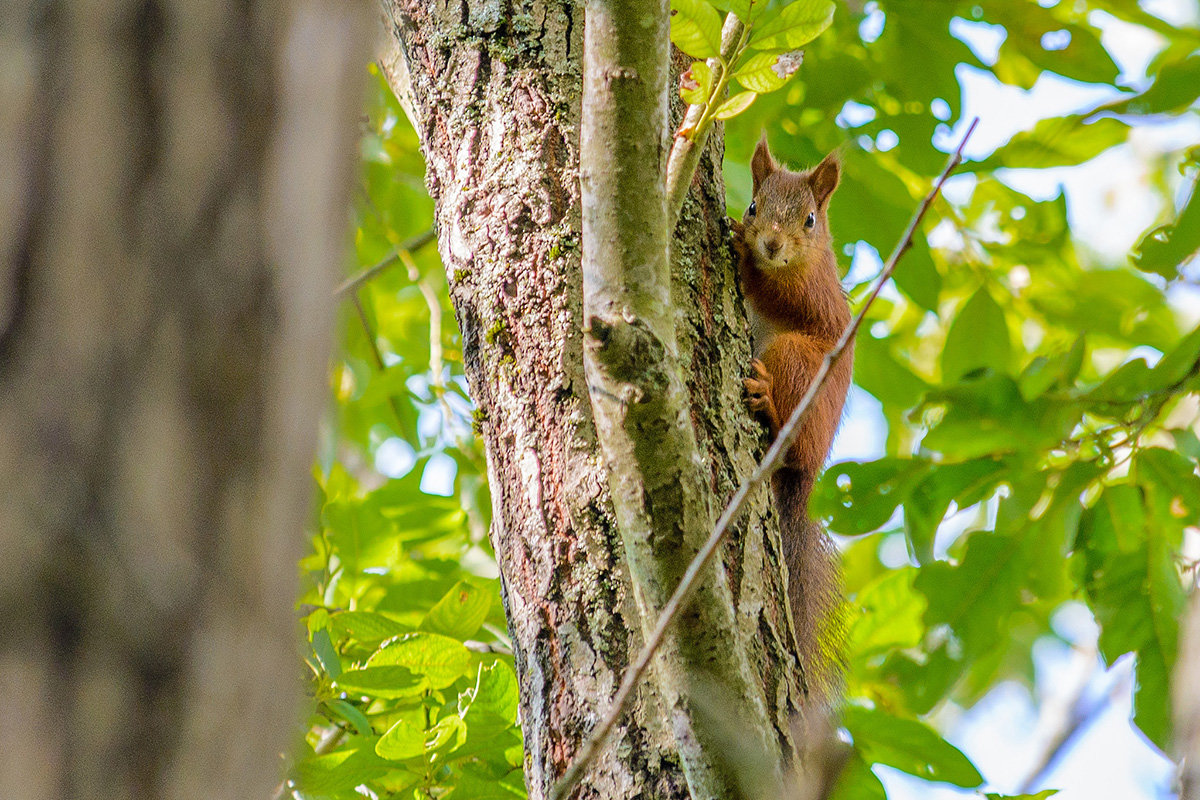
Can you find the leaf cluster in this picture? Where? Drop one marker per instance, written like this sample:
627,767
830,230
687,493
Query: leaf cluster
411,673
1039,397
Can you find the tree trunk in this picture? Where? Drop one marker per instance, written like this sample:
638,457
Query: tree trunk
494,91
175,182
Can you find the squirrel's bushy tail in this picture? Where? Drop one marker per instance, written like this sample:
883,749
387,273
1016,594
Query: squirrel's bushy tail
814,587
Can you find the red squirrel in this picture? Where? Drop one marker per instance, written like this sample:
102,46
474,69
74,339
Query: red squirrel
797,312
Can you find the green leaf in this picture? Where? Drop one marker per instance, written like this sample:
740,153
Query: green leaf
886,615
796,24
367,626
884,375
388,681
735,105
1173,475
1056,142
857,782
460,612
999,572
1046,372
1165,248
862,497
483,787
497,692
918,278
929,500
1176,86
696,28
339,771
1042,795
986,415
1134,588
404,740
766,72
748,11
909,746
448,734
351,714
696,84
978,339
440,660
1180,363
326,653
1129,382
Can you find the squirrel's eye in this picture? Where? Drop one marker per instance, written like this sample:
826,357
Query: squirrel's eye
752,209
811,220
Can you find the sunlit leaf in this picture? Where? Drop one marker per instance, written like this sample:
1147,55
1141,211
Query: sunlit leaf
696,28
439,660
695,85
766,72
367,626
748,11
385,681
795,25
340,771
1057,142
460,613
887,615
327,653
735,105
404,740
1165,248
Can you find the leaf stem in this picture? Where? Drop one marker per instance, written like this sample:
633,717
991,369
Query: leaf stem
686,149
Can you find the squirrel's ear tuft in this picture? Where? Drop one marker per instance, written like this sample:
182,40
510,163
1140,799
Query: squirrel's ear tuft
824,178
763,163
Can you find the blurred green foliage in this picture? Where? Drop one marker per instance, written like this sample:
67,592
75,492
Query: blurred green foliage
414,692
1039,398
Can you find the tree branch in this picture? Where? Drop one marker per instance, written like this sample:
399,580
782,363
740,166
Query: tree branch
410,245
659,482
687,586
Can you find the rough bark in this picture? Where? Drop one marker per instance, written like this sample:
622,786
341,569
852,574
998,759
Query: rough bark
657,481
494,90
173,217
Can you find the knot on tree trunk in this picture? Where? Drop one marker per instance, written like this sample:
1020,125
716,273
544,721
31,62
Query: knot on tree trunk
630,352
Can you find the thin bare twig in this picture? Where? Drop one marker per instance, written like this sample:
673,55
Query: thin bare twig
410,245
1078,716
620,703
376,354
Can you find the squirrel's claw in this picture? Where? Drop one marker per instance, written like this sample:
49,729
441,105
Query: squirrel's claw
758,388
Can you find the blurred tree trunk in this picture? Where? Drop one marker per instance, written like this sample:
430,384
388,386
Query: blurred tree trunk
173,183
494,92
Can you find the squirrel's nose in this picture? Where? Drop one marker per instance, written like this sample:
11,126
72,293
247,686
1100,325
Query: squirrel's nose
771,245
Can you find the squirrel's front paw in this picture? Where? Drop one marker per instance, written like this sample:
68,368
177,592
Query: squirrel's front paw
737,234
758,388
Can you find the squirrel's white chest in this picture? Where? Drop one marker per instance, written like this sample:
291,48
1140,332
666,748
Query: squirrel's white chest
762,330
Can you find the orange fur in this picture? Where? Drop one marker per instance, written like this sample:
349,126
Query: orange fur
789,276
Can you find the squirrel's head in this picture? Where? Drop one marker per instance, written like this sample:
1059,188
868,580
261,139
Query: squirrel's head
787,224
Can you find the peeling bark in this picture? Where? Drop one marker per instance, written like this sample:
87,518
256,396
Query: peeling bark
494,90
172,226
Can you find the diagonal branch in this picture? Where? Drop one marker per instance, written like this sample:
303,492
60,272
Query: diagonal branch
409,245
761,475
